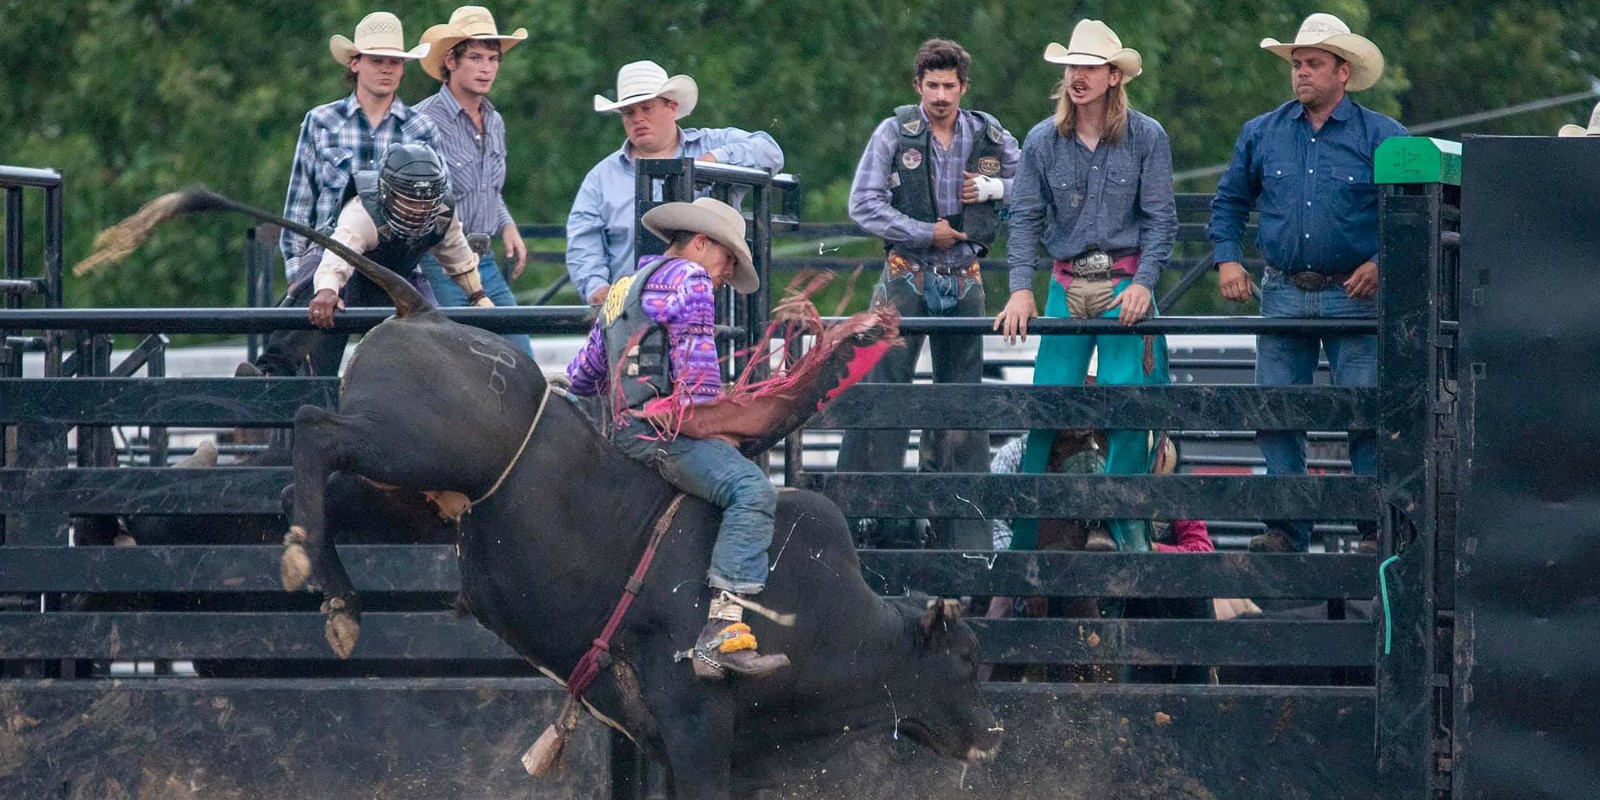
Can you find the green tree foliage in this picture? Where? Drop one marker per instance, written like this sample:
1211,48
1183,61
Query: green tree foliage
130,98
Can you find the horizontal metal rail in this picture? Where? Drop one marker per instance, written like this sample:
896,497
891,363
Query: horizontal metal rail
577,319
1103,327
547,319
980,496
266,402
952,406
254,490
21,286
217,402
566,320
230,569
27,176
443,635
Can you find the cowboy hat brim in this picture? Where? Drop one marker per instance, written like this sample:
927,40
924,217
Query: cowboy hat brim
1568,131
1127,59
344,50
681,88
445,37
665,219
1366,60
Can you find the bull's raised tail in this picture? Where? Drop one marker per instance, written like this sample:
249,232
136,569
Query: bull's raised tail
116,242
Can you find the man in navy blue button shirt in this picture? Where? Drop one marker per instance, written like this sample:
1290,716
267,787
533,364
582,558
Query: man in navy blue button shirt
1307,167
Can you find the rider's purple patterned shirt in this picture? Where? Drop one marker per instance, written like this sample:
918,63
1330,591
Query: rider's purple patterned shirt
681,297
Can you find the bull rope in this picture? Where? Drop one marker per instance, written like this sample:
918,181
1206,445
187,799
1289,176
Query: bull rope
544,754
528,437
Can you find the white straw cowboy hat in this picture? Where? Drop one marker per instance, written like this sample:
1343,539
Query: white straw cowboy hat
1592,130
716,219
466,22
642,80
1328,32
1094,43
377,34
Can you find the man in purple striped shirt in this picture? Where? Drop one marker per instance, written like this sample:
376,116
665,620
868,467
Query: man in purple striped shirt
930,185
464,56
653,352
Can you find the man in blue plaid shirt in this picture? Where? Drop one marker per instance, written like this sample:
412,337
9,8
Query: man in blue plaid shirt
346,136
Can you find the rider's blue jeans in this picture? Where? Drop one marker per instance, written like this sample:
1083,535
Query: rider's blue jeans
714,470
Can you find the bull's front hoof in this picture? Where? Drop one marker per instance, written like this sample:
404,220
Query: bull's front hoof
294,568
342,630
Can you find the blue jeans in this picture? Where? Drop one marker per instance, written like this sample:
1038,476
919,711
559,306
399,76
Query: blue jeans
1065,360
1292,361
494,285
956,359
713,470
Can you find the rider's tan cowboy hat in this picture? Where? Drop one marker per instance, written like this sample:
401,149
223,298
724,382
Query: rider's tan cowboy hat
1094,43
1328,32
716,219
377,34
642,80
1592,130
466,22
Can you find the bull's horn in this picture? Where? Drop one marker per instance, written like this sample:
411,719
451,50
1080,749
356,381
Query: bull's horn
119,240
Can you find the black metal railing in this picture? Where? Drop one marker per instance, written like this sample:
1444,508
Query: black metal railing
250,623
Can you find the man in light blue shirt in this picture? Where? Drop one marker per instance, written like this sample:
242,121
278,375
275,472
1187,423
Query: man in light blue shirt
600,226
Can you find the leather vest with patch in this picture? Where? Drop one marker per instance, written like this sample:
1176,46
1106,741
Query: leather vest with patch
395,252
638,350
911,182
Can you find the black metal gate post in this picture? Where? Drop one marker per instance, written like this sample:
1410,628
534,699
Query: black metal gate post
32,445
1416,454
661,181
1527,643
258,264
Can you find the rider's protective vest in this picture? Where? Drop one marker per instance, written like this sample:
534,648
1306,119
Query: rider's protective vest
638,350
395,252
911,183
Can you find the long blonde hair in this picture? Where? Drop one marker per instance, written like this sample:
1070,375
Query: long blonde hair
1116,111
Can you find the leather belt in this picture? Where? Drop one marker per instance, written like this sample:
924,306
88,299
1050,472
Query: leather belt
900,265
1097,265
478,243
1313,281
1094,265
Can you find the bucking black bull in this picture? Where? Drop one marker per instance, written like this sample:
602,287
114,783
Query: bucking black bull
556,519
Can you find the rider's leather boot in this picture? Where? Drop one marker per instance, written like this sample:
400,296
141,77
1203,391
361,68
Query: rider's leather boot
726,645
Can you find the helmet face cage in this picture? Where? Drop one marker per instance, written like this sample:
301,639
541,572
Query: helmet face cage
413,206
411,187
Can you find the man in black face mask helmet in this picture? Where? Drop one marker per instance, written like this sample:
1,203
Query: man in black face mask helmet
393,216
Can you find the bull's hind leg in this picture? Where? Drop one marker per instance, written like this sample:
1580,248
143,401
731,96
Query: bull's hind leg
321,445
696,726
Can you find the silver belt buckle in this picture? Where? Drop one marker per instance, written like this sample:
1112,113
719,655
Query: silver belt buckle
478,243
1095,266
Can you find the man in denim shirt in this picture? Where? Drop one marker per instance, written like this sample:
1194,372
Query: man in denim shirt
600,225
1095,183
930,185
1307,167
